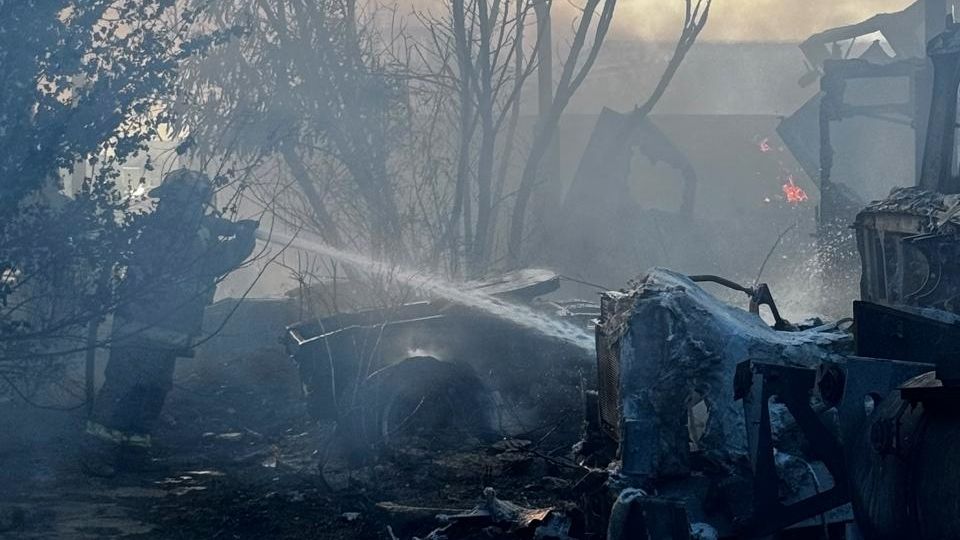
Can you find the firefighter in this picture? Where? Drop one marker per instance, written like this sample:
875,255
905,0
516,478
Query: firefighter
171,277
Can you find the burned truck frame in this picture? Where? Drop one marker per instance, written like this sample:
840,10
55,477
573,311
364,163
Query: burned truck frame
437,366
814,413
670,356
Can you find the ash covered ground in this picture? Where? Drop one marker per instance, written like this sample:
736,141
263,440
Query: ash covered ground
237,457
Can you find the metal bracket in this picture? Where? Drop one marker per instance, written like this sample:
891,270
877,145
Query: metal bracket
755,384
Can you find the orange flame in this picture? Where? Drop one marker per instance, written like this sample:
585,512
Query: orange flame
795,194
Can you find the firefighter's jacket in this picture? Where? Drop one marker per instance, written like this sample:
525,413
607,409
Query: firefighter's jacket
172,277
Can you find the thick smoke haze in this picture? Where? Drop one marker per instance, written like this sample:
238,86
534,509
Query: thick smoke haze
731,20
748,20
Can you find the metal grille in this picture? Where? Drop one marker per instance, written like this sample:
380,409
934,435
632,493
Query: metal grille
608,373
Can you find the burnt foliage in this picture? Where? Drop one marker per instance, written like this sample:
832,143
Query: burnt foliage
82,90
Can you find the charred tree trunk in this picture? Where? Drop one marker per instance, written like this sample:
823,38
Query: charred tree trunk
488,138
544,210
323,219
544,56
462,185
572,76
514,118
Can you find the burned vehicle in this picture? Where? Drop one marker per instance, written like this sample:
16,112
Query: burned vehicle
728,427
669,357
436,367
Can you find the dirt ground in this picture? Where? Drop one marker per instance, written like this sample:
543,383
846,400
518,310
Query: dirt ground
238,458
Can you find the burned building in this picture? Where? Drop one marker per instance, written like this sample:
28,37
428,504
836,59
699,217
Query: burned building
869,128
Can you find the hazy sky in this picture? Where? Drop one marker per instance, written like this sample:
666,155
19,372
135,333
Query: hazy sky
731,20
746,20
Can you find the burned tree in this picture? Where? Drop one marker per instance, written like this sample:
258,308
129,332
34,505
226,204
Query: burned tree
477,49
553,102
303,84
81,80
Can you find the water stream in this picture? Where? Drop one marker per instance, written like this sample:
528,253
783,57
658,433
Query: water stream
517,314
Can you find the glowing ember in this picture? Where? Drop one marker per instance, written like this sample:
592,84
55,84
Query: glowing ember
795,194
765,146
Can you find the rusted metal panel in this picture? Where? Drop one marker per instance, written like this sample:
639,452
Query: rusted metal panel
908,246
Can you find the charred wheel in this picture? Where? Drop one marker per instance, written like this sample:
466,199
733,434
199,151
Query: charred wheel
423,399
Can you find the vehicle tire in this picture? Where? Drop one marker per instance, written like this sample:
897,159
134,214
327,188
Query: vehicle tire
425,398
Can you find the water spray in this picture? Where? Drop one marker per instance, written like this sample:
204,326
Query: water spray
517,314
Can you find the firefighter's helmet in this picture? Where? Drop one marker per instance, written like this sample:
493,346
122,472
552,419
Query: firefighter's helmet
184,184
